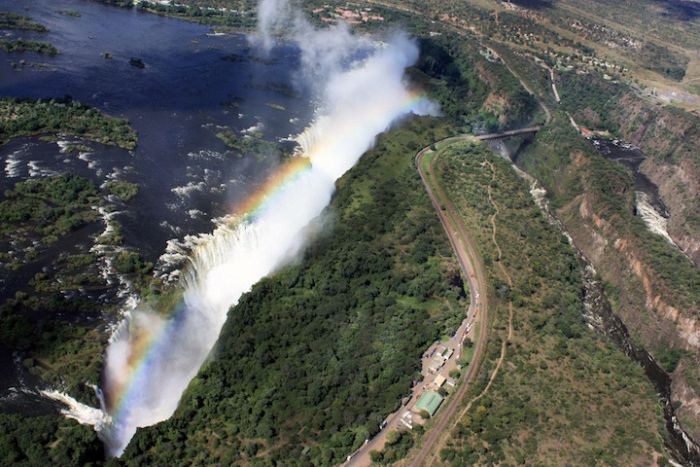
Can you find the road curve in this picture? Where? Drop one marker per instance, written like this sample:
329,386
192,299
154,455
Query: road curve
472,268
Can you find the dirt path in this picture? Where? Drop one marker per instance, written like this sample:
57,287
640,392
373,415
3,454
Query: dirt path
510,303
428,455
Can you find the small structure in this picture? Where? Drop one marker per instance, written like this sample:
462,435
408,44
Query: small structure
439,381
436,364
430,401
446,356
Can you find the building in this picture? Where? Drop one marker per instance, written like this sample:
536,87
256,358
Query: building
430,401
436,364
439,381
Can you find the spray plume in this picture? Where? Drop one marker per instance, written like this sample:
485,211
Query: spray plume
152,357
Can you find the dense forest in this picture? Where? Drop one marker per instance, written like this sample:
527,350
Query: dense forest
312,359
47,440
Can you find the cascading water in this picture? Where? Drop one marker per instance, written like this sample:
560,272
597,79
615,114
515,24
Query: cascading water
152,357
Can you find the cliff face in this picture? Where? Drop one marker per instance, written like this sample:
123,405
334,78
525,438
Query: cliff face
607,242
671,139
643,300
679,186
668,136
596,205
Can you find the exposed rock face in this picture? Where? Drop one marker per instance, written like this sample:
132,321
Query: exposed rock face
670,138
679,186
643,301
688,397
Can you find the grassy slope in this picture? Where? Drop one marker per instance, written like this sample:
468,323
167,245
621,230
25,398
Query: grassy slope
563,394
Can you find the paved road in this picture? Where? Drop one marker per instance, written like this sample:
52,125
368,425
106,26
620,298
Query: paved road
472,270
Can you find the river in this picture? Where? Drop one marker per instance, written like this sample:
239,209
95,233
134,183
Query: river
598,311
176,104
192,86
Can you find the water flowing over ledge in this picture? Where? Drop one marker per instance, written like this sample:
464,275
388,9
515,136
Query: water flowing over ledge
153,355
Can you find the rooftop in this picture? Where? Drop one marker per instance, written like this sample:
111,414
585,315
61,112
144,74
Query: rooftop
430,401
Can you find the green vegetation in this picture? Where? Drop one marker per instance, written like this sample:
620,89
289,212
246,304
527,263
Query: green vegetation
61,346
130,262
316,356
72,13
670,358
125,191
53,320
398,444
564,395
247,144
14,21
570,168
223,14
665,133
35,214
76,148
461,79
663,61
34,117
47,207
119,3
453,82
47,440
24,45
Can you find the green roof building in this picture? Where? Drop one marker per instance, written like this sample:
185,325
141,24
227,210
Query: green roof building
430,401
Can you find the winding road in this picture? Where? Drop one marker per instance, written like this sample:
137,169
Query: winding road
473,269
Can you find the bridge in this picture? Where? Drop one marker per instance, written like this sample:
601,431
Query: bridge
503,134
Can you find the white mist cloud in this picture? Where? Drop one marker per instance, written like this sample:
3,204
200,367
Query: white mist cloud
361,89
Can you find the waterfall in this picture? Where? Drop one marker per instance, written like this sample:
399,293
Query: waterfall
154,354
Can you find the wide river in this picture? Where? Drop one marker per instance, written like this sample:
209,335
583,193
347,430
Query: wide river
194,84
176,103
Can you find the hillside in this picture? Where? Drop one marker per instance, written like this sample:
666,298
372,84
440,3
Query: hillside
557,392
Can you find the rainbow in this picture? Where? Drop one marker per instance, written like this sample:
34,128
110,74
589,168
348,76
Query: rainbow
147,345
291,171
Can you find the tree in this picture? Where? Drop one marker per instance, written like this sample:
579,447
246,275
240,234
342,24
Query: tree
393,437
